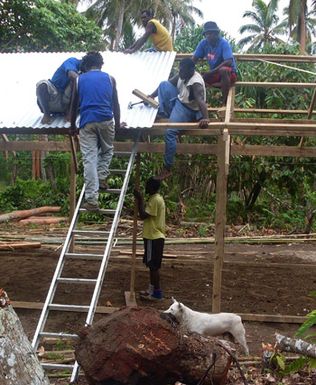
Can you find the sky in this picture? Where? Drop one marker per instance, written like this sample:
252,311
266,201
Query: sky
228,13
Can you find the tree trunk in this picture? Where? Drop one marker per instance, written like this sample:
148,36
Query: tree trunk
19,364
302,27
119,26
20,214
143,346
287,344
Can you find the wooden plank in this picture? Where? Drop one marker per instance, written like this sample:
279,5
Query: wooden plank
258,150
275,84
130,299
270,57
152,102
264,111
272,318
39,306
245,316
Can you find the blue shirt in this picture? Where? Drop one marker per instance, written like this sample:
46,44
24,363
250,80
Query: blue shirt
60,78
95,97
215,55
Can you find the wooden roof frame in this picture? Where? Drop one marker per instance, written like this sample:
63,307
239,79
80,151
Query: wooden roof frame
224,129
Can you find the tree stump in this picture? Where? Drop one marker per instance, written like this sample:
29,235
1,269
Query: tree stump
19,364
139,346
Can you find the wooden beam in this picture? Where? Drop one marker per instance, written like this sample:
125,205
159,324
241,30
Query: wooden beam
220,222
270,57
264,111
275,84
39,306
245,316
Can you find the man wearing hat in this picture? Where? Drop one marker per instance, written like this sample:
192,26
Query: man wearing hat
218,52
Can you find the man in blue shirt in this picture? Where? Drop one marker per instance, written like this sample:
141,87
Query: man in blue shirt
96,96
217,51
53,95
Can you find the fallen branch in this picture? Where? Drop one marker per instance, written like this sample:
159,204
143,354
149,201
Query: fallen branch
287,344
19,214
43,220
19,245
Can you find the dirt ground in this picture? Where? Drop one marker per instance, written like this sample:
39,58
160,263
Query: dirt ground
267,279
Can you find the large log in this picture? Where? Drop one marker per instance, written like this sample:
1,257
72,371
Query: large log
288,344
19,364
19,214
138,346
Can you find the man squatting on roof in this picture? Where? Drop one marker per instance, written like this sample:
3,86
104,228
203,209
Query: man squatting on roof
154,30
97,98
218,52
54,95
181,99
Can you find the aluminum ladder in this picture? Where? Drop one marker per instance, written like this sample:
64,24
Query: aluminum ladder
109,238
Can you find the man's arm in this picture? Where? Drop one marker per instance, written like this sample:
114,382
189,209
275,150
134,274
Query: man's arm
74,105
115,104
140,203
150,28
198,95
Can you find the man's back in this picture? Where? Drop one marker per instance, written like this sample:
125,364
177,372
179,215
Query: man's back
161,39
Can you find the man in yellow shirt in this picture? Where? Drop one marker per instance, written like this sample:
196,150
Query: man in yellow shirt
154,229
158,34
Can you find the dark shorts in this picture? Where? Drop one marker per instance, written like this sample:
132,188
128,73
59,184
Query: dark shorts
153,252
212,78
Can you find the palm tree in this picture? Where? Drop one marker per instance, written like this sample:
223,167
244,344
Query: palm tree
265,25
116,16
300,21
175,13
111,15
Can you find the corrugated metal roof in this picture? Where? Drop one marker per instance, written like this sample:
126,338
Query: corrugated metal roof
21,71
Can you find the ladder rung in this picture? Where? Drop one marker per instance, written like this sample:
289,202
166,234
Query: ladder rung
59,335
101,211
122,153
117,171
76,280
50,366
90,232
76,308
95,257
112,191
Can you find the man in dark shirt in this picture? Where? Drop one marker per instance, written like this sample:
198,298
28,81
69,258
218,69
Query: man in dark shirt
98,104
53,95
217,51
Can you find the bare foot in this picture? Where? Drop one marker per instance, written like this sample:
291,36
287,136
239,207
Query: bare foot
46,119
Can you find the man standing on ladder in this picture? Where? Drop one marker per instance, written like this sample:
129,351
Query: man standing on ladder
98,103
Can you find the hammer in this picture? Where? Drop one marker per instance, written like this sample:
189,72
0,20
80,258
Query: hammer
131,105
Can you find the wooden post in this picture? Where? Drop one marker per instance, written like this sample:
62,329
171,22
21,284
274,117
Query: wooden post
223,153
130,296
72,195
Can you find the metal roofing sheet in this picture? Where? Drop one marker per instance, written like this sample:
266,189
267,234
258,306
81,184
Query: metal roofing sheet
21,71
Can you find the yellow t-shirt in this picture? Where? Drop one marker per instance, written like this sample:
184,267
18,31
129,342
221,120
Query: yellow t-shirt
161,39
155,225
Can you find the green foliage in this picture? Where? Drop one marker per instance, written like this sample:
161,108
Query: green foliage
188,39
45,25
29,194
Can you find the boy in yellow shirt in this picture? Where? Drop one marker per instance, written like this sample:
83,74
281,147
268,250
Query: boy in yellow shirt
153,215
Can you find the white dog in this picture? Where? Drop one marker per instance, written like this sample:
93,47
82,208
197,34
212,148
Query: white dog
209,324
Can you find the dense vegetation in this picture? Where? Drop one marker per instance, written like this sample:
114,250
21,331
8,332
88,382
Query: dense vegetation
263,191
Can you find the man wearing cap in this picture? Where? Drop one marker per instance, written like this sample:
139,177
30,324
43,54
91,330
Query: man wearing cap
218,52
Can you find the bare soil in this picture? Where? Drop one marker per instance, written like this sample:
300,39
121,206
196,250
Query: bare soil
260,279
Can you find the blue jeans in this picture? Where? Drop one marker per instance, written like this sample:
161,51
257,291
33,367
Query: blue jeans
171,107
96,146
